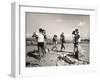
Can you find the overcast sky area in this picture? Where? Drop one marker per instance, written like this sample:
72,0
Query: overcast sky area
57,23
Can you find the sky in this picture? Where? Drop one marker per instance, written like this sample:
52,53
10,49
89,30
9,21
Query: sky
57,23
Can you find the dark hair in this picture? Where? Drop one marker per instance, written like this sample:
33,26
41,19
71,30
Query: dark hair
76,30
73,32
40,30
55,35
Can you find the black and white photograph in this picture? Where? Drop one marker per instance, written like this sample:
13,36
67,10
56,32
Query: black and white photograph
54,39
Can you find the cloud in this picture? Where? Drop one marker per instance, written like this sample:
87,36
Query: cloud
59,20
81,23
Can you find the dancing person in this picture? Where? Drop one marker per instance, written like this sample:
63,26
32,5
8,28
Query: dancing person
73,36
45,41
62,39
54,40
76,37
40,43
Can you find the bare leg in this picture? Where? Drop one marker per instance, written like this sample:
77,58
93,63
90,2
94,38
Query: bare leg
76,52
62,46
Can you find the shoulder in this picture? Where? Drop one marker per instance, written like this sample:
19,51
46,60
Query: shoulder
37,33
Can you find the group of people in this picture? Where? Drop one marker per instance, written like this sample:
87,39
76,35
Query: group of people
41,41
55,41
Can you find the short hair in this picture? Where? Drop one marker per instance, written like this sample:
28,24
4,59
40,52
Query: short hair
40,29
76,29
55,35
73,32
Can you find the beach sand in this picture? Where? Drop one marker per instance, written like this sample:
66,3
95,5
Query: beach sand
51,58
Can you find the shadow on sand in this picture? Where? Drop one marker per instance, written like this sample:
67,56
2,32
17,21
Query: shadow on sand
60,51
32,54
31,64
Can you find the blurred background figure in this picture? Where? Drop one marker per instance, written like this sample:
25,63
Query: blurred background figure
54,40
62,39
45,41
